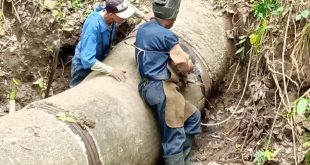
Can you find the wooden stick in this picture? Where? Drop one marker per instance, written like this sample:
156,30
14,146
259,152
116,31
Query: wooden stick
139,13
12,107
52,70
16,13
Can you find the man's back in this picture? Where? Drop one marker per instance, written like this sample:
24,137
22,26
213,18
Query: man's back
95,32
153,45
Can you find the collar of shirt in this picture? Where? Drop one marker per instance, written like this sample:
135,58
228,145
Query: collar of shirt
101,21
155,20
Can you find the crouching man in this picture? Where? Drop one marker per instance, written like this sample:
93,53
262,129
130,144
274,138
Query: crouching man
96,39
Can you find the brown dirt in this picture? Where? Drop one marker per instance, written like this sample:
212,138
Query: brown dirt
236,141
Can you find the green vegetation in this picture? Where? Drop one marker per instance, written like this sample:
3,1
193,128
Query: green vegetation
13,92
262,156
259,34
302,106
277,24
302,15
61,9
264,8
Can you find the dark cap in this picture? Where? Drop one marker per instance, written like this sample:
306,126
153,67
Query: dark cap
166,9
120,7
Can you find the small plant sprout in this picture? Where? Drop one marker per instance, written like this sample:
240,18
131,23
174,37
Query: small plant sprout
302,15
41,84
302,106
262,156
258,36
12,96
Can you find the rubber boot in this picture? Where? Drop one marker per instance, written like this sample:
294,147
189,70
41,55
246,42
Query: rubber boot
176,159
187,149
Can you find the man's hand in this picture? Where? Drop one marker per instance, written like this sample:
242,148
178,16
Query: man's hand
191,66
181,60
119,74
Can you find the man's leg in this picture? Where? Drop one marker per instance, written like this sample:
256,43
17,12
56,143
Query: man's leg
172,139
191,127
78,76
172,143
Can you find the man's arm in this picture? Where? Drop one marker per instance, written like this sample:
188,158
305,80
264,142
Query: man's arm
117,73
182,62
101,67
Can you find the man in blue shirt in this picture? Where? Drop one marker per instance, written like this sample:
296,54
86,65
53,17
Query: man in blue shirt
159,55
96,38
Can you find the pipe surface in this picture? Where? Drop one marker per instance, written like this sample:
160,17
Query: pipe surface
120,128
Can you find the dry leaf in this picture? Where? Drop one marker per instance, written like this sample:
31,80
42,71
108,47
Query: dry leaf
2,73
50,4
65,118
2,32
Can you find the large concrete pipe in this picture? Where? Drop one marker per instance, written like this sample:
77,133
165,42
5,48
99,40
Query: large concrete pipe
113,125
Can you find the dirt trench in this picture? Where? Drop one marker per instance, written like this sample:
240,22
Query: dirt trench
26,54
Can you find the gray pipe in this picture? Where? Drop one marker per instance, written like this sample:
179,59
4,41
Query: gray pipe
113,125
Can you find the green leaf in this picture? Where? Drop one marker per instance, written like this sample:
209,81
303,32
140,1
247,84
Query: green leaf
259,158
40,83
305,14
15,81
260,15
13,95
306,144
298,17
307,157
241,41
87,12
302,106
268,155
65,118
240,50
280,9
242,37
253,39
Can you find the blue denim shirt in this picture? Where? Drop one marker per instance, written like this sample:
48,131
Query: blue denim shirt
94,43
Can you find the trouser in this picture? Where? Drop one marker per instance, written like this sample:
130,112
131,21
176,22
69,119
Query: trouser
172,139
78,76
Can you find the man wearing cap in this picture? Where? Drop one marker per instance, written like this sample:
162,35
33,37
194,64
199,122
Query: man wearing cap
160,60
96,38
